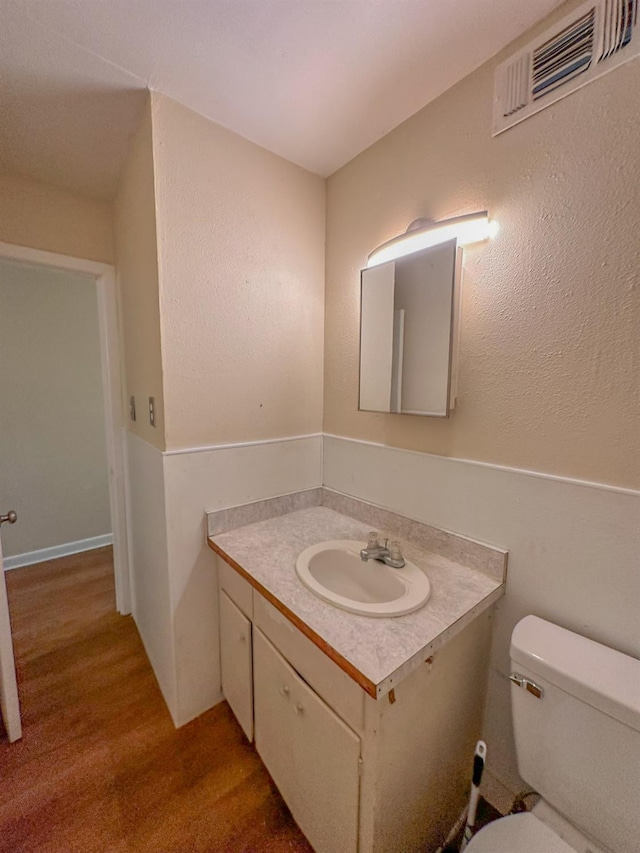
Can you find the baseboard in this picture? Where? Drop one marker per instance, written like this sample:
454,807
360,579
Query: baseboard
56,551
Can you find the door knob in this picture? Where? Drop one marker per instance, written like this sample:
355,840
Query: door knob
11,517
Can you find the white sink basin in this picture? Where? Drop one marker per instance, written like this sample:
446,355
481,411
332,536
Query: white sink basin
335,572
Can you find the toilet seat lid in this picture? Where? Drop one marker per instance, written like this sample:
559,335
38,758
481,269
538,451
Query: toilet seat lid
518,832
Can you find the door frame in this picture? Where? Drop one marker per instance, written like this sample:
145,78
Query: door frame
112,385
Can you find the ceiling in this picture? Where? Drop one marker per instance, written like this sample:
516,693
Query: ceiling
315,81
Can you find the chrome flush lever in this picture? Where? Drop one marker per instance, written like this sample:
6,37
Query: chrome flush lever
526,684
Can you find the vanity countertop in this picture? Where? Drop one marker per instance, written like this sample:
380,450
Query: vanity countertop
377,653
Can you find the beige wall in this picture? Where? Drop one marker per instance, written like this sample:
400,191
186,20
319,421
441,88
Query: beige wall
241,256
549,356
240,236
53,466
137,274
44,217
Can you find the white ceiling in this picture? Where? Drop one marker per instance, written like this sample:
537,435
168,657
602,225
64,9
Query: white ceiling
316,81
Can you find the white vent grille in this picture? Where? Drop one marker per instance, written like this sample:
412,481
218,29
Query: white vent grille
596,38
564,56
619,20
516,85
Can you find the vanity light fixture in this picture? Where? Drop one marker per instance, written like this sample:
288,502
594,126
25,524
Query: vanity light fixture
424,233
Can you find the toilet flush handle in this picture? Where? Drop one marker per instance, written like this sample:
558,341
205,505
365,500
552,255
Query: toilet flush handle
526,684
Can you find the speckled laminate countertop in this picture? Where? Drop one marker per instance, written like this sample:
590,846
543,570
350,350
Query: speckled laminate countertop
377,652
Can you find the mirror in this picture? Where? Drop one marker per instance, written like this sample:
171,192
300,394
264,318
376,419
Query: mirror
406,332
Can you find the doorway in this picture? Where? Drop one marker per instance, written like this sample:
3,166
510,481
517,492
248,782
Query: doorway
88,483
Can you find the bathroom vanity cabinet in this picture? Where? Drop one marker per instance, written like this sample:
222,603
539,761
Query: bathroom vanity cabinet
359,774
311,754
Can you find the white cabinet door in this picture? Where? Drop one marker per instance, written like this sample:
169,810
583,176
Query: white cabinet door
311,754
236,662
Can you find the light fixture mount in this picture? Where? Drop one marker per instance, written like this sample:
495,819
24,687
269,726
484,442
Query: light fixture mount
419,224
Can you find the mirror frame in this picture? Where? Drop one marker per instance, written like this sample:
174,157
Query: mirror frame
454,335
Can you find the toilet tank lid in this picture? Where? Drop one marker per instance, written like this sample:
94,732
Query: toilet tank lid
604,678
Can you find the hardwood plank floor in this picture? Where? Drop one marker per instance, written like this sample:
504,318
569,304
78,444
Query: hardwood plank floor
100,766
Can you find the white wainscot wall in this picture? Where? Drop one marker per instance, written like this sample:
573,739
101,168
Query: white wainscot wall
149,573
201,480
173,574
573,553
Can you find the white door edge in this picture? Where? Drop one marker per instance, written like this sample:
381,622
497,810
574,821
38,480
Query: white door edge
9,702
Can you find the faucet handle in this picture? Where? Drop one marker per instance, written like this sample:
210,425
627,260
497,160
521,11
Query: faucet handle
372,540
394,551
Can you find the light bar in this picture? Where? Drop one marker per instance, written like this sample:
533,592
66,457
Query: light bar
471,228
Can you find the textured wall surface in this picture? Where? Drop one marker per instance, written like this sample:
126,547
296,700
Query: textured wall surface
241,256
549,356
53,463
550,351
137,272
44,217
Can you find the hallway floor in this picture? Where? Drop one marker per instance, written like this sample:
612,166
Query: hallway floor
101,768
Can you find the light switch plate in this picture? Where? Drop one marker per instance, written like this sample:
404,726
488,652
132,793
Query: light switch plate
152,411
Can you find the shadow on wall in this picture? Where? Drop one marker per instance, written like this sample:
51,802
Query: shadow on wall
88,130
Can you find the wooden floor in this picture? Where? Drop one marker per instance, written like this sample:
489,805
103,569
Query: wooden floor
100,766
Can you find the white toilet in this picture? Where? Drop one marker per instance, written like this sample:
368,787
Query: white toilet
576,716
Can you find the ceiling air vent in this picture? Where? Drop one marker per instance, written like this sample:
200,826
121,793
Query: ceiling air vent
594,39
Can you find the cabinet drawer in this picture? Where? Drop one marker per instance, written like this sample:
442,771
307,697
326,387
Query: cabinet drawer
311,754
236,662
237,588
325,677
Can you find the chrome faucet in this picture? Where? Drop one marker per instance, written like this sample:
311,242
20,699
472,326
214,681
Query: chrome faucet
388,552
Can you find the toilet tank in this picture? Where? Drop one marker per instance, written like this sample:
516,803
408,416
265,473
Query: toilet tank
578,745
